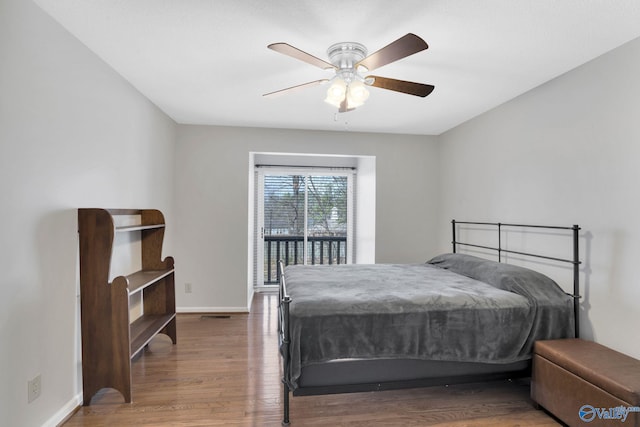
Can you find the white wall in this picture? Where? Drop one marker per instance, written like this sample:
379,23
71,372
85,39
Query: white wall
72,134
212,184
566,152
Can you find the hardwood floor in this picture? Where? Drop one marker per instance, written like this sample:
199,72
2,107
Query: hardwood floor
226,371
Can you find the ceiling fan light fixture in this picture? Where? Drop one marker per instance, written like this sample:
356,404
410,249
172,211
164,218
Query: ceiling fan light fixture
347,90
357,94
336,92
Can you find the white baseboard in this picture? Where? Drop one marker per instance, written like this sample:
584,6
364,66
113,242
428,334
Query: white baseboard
212,309
64,412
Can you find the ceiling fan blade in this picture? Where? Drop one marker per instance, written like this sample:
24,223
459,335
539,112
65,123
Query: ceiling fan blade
401,48
417,89
296,53
295,88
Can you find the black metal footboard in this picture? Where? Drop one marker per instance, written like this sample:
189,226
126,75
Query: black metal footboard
283,338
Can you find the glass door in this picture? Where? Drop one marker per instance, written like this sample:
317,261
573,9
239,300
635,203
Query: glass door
304,218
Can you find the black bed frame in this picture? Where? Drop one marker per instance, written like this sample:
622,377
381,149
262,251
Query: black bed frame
284,301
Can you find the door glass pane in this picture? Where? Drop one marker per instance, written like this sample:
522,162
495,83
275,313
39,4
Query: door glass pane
326,219
284,213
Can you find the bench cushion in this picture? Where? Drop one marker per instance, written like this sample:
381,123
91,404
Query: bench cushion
612,371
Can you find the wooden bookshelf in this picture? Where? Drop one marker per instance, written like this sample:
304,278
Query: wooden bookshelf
109,339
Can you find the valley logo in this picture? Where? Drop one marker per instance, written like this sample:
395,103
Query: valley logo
588,413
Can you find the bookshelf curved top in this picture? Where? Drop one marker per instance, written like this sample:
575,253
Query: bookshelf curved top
150,218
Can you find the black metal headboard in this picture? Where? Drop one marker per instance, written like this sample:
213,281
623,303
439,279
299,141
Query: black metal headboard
500,250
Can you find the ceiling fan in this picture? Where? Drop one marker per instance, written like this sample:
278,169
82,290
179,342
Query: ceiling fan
349,60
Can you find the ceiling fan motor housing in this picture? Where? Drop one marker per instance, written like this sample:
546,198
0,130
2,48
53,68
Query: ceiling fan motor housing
345,56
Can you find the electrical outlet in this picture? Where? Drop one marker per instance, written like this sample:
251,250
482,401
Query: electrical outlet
187,288
34,388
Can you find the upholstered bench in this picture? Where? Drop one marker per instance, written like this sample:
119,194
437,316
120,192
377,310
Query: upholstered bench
585,383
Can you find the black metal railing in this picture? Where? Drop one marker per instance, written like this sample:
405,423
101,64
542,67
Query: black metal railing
290,249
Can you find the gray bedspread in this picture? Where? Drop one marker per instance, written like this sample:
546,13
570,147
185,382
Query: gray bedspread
453,308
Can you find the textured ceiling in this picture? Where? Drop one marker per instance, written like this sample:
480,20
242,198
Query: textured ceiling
207,62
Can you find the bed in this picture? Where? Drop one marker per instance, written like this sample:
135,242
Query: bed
456,318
